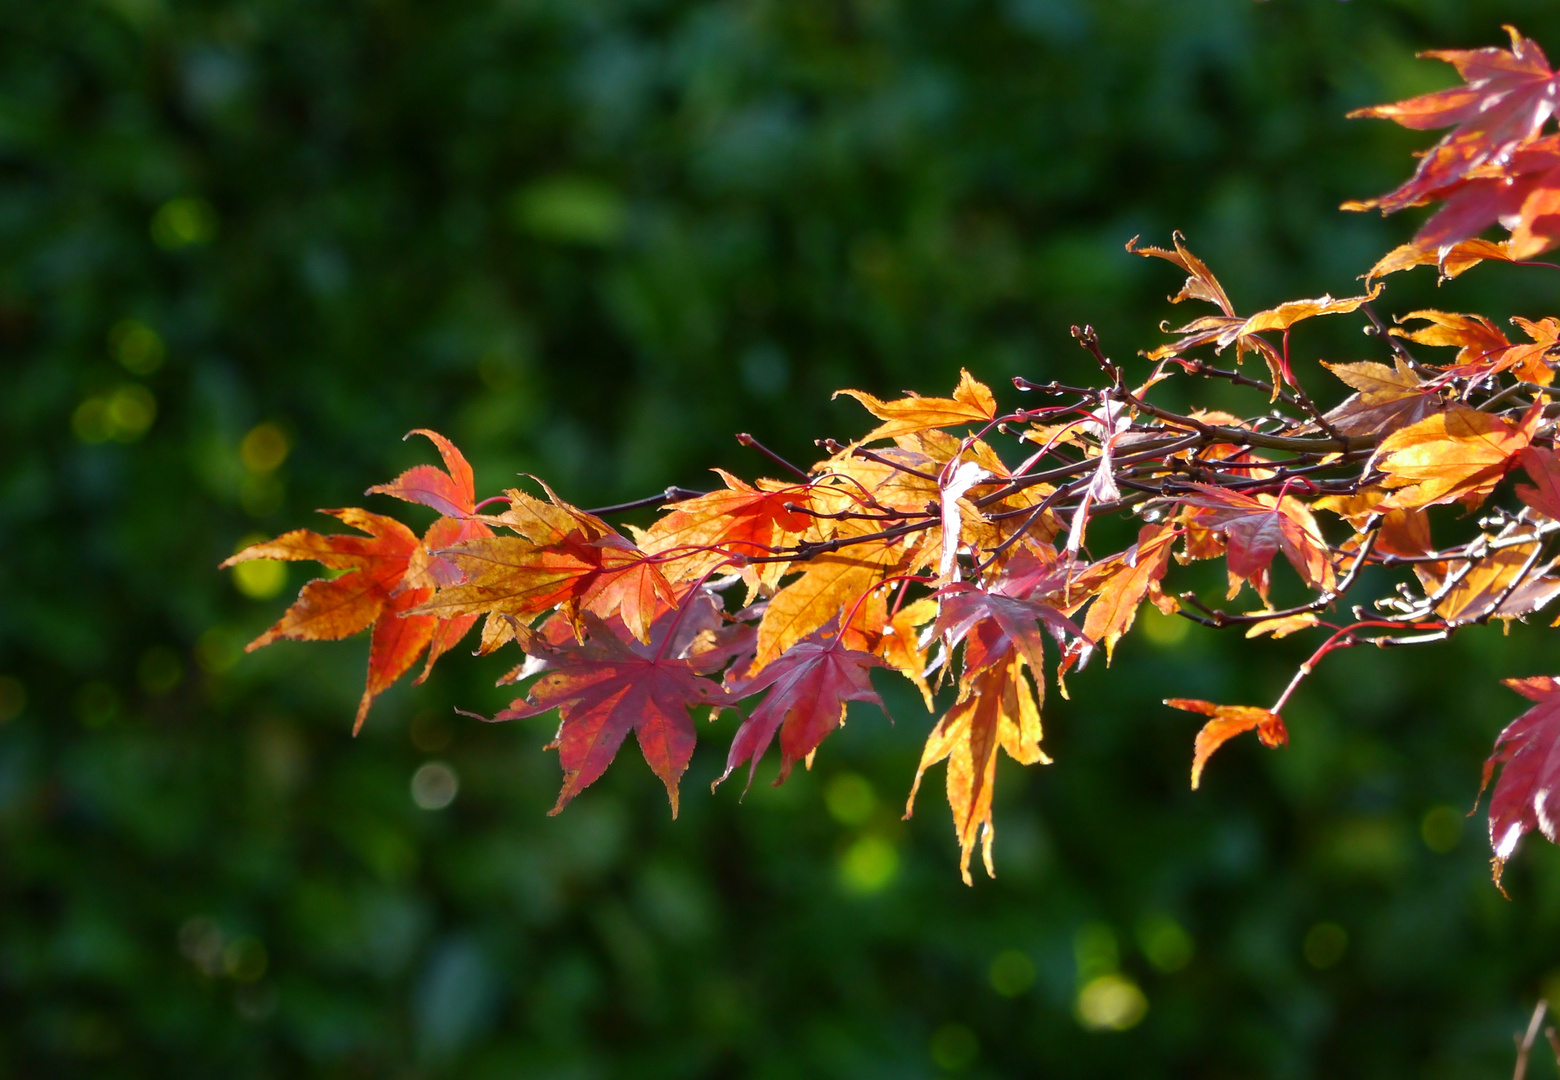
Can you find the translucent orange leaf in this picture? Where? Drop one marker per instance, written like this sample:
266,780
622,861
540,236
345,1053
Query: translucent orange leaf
1228,721
972,403
1459,454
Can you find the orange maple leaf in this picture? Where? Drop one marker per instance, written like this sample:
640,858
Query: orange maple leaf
996,708
1452,260
1130,576
388,574
1228,721
1460,454
999,711
972,403
742,520
1389,398
1482,349
368,594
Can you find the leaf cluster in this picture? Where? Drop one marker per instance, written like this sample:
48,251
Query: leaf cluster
948,542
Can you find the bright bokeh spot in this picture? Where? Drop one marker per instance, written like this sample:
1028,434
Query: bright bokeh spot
1095,951
261,579
869,865
1111,1003
571,210
1325,943
138,348
850,799
434,785
954,1047
264,448
1012,973
1166,631
130,410
1165,943
1441,828
123,415
183,222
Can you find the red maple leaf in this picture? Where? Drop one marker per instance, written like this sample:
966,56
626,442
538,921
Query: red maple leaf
808,687
452,492
992,626
1257,527
1522,192
1529,750
1506,98
611,685
1544,467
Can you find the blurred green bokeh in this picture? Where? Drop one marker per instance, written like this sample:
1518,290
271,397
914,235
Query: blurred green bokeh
245,245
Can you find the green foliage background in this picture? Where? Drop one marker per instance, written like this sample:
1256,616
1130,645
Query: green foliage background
592,240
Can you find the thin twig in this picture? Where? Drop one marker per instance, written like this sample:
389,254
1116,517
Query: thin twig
670,495
747,440
1525,1043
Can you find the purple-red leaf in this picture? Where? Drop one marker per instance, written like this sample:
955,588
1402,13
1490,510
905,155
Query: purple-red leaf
604,689
808,687
1529,750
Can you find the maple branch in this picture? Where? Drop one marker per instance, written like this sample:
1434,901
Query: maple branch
672,494
856,515
1018,484
747,440
812,549
1219,619
1495,400
1200,367
1380,329
1023,530
1343,638
1090,340
898,466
